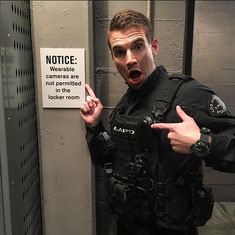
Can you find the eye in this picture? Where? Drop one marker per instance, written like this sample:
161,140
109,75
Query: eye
138,46
119,53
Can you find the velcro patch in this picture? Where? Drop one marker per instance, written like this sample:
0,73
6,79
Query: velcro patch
216,106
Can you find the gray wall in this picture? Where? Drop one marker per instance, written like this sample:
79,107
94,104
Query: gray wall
214,65
66,170
214,48
169,19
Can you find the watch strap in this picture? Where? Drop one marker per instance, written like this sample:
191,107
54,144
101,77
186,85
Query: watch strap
205,135
202,147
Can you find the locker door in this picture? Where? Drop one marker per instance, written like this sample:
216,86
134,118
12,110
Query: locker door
19,172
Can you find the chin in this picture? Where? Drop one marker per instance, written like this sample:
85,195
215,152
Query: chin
135,86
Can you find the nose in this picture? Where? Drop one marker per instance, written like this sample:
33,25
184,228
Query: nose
130,58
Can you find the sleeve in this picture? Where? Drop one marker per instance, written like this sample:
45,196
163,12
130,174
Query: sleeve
208,110
100,145
222,149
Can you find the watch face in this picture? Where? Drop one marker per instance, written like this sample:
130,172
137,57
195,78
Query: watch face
200,149
205,130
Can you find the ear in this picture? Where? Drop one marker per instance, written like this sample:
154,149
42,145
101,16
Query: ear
154,46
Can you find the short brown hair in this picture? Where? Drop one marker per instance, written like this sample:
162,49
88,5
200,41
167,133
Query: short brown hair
127,18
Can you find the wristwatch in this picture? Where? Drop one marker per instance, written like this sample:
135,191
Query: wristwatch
202,147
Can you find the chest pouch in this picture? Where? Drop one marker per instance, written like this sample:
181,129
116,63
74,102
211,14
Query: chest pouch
133,138
132,130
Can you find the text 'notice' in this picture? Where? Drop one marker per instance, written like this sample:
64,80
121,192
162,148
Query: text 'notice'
63,77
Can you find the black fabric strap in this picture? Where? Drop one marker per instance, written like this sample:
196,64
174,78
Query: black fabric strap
162,105
169,88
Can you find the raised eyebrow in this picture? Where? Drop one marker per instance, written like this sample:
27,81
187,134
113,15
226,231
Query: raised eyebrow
138,40
117,47
133,42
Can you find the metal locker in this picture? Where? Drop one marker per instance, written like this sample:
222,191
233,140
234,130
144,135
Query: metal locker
20,204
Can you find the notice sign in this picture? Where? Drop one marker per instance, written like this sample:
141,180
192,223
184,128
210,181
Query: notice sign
63,77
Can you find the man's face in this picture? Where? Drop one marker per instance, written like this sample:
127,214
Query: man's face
132,54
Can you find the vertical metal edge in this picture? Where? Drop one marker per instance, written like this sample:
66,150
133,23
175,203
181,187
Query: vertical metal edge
188,36
4,178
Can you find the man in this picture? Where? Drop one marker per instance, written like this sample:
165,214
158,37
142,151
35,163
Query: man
160,133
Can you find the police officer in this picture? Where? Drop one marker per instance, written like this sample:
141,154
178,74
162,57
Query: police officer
161,131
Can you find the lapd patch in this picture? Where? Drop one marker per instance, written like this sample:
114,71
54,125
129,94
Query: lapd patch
217,106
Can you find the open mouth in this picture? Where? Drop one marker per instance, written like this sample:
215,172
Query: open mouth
135,74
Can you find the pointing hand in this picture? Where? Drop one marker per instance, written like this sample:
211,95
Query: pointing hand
181,135
91,109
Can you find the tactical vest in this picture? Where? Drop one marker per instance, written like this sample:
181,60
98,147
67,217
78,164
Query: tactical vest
137,184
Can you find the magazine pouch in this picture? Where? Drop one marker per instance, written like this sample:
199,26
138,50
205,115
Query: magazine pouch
203,203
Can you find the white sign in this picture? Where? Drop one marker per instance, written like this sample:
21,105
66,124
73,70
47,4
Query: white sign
63,77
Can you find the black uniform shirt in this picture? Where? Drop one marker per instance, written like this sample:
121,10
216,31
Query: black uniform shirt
199,102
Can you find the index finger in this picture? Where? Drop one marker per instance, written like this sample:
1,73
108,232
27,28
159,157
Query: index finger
182,114
168,126
90,91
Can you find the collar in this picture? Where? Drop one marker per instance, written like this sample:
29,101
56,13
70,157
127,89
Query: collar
150,83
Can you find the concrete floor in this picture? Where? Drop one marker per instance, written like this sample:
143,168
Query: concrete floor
222,221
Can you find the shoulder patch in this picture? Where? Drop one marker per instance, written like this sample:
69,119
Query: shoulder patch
217,106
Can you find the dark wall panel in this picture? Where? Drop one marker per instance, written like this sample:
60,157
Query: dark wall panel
19,146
